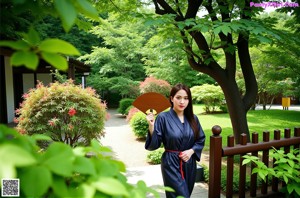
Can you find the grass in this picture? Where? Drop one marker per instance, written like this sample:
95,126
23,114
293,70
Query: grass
258,121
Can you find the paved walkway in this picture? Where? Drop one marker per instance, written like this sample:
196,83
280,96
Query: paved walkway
120,138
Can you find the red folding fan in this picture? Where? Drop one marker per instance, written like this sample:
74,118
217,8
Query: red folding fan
151,102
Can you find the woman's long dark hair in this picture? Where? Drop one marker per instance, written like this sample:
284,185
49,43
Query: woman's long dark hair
188,111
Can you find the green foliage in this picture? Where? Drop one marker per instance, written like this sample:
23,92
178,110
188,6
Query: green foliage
235,183
117,62
139,125
46,49
60,171
205,173
154,157
63,111
124,104
131,112
287,169
29,49
152,84
211,95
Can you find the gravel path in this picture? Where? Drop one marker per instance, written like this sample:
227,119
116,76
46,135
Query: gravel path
120,138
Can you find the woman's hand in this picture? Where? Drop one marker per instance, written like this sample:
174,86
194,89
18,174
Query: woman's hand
150,120
186,155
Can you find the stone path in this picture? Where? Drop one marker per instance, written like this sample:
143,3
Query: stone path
120,138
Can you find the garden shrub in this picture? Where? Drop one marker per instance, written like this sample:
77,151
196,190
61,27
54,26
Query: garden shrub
235,182
62,171
154,157
139,125
63,111
211,96
287,169
152,84
206,172
132,111
124,104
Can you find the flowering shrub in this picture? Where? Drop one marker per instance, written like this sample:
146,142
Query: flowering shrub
132,111
63,111
152,84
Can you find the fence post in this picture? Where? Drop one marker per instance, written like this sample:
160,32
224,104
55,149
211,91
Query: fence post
242,176
253,184
215,158
265,160
275,179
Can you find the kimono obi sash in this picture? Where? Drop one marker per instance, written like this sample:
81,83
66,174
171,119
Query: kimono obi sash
180,161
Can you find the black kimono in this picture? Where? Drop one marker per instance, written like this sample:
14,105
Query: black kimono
176,137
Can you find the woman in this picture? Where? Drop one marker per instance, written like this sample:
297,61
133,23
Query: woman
183,138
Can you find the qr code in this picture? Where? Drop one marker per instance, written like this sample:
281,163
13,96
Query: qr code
10,188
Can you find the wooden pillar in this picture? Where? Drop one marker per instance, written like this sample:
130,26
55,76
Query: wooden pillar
215,158
71,72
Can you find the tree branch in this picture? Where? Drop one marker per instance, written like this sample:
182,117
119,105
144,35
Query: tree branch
193,7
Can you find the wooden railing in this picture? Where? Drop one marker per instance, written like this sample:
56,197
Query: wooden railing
217,153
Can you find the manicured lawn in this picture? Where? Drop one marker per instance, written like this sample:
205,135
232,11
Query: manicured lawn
258,121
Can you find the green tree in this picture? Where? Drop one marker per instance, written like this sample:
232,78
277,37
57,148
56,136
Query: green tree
28,44
118,64
165,59
231,26
49,27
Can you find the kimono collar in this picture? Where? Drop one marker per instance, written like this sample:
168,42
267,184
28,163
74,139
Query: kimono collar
176,120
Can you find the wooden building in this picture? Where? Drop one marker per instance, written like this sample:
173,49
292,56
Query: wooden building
15,81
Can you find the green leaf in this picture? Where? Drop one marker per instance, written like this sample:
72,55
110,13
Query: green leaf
286,180
84,166
33,37
15,155
290,188
246,161
40,137
59,187
87,8
35,181
7,170
225,29
262,176
67,13
58,46
88,190
56,60
217,30
291,163
110,186
27,58
59,159
17,45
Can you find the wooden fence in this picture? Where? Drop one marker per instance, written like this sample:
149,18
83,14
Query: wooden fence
217,153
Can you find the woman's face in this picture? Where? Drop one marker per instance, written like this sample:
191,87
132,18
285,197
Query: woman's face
180,101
